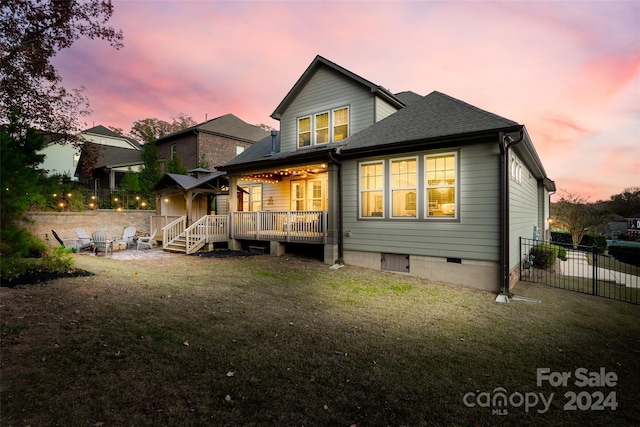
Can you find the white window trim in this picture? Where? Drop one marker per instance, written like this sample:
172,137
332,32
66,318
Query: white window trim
331,123
298,132
361,190
455,186
314,128
391,188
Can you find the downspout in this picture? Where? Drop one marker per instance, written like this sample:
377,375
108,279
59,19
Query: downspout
506,142
339,219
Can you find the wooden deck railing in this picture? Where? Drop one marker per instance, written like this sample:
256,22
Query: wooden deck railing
208,229
284,226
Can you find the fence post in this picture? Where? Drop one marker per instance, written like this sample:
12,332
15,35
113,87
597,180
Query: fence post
520,257
594,253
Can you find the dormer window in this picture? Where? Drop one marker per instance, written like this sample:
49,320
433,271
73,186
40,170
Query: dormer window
323,127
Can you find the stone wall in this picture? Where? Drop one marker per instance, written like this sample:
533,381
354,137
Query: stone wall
111,222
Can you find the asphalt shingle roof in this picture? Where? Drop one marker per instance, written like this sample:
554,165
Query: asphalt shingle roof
116,156
101,130
227,125
434,116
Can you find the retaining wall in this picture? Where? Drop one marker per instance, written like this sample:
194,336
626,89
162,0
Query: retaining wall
110,221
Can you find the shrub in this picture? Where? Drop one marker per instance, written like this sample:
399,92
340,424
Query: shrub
589,240
562,253
626,254
544,255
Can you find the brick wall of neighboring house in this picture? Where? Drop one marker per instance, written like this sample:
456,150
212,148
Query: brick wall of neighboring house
111,222
217,150
186,147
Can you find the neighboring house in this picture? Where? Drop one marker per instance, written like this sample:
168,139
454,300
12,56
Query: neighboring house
429,186
616,226
63,158
633,227
110,167
216,141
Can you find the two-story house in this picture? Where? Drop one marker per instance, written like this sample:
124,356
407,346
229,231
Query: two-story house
429,186
63,158
215,142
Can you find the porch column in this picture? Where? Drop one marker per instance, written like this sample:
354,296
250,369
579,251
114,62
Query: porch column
331,247
234,244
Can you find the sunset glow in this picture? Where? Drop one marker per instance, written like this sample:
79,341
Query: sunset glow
569,71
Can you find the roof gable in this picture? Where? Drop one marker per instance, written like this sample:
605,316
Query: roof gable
103,131
319,62
186,182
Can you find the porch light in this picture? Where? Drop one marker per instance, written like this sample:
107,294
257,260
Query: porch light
55,194
115,199
68,194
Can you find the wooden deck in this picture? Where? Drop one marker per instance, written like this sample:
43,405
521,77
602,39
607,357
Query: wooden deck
283,226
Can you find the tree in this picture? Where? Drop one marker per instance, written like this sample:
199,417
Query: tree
152,129
20,176
575,215
202,162
626,203
31,33
175,165
150,173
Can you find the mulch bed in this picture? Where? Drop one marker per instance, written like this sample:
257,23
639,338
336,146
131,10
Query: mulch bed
41,277
224,253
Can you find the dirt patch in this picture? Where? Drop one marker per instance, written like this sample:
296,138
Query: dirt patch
36,277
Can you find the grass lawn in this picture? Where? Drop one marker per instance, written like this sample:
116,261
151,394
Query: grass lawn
286,341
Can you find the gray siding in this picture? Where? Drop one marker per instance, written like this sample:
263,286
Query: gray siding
524,209
327,90
475,235
383,109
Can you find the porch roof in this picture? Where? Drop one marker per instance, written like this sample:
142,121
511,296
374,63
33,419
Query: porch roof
186,182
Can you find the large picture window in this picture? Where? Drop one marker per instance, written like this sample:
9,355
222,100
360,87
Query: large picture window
441,181
372,189
403,188
323,127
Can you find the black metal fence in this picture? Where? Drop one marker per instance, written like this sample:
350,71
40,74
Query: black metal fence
610,273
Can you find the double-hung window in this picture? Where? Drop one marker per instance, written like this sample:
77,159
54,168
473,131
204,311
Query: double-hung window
403,188
441,181
323,127
372,189
304,131
340,123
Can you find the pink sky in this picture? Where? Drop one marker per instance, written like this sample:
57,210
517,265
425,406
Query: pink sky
569,71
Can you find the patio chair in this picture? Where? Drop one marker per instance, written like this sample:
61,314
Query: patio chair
127,236
147,242
99,242
72,243
85,240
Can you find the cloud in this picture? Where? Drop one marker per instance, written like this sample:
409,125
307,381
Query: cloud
569,71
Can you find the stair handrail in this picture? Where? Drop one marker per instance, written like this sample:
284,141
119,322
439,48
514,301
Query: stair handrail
173,230
193,239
